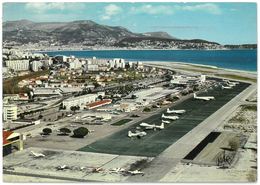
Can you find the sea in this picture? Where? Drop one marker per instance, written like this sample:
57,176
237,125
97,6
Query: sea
245,60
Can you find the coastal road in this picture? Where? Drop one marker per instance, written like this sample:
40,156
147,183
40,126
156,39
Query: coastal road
169,158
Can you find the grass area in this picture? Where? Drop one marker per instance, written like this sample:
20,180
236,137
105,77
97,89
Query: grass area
138,165
248,107
121,122
10,86
237,77
239,118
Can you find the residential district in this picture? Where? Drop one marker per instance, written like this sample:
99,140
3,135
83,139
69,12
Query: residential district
69,119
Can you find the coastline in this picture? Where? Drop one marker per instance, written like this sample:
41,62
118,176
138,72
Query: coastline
195,63
137,49
185,64
239,75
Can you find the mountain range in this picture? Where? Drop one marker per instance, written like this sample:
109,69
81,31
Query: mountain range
89,33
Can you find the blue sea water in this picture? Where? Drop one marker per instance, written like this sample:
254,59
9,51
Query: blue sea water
231,59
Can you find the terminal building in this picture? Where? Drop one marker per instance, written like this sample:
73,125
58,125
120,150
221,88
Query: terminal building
10,112
185,80
80,101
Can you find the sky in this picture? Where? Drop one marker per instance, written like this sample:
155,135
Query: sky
225,23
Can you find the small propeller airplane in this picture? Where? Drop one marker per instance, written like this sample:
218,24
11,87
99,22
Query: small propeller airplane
165,121
148,126
176,111
226,87
136,134
205,98
170,117
37,155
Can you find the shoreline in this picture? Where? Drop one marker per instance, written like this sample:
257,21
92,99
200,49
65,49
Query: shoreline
210,67
239,75
151,61
139,49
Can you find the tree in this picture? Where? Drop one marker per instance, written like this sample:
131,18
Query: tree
147,109
234,144
73,108
80,132
47,131
65,131
40,116
100,97
22,116
133,96
61,106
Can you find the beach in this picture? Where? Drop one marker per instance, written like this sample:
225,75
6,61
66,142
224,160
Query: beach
247,76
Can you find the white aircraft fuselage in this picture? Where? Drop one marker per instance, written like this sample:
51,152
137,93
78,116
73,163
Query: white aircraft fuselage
176,111
170,117
153,126
165,121
141,134
226,87
206,98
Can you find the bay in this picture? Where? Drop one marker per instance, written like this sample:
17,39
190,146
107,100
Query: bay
245,60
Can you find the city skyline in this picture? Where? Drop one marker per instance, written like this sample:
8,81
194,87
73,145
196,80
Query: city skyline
225,23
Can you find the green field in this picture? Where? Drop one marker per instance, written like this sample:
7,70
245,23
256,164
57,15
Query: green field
121,122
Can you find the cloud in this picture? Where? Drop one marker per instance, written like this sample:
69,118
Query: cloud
111,10
181,27
207,7
176,27
171,9
44,7
150,9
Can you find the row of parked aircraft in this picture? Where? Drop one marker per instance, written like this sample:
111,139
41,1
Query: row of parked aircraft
147,126
229,84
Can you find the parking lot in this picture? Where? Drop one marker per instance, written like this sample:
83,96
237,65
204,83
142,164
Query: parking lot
157,141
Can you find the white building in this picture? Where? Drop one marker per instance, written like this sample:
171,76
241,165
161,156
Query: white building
183,80
35,65
76,64
10,112
47,62
117,63
18,65
92,67
80,101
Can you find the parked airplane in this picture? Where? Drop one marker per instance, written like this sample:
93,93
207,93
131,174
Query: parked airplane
170,117
206,98
37,155
165,121
62,167
232,83
226,87
137,133
148,126
176,111
135,172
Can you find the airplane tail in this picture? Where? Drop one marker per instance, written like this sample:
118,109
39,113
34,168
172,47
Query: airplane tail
130,133
163,116
194,95
162,125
